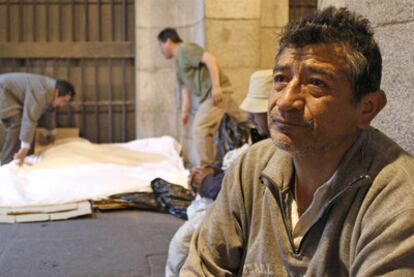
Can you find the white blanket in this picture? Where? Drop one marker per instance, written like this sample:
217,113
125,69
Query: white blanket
75,170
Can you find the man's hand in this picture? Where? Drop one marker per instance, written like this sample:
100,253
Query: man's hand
184,118
217,94
19,156
197,176
51,139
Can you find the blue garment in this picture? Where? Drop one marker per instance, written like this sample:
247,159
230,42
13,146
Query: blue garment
211,185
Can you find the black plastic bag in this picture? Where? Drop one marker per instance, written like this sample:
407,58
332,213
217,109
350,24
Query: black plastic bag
229,136
174,198
130,200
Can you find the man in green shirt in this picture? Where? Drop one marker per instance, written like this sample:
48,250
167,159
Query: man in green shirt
199,75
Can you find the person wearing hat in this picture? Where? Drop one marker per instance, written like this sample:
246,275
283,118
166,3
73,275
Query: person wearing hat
206,181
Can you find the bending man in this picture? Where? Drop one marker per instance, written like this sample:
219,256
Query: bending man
199,75
26,100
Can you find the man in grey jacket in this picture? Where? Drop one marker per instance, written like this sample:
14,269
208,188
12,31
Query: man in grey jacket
328,195
25,101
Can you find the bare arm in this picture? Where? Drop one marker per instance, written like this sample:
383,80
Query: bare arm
211,62
185,105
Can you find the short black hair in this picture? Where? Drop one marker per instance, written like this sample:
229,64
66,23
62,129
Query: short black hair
65,88
338,25
169,33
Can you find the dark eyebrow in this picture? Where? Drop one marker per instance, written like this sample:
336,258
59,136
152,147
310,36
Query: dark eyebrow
322,71
311,68
281,68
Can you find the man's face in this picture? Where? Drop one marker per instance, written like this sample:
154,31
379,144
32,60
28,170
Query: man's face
61,101
166,48
311,108
259,120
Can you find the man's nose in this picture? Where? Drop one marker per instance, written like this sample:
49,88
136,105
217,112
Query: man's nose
291,98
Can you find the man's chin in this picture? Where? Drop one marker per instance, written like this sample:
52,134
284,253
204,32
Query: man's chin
283,143
286,145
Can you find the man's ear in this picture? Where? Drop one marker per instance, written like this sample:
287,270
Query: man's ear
370,105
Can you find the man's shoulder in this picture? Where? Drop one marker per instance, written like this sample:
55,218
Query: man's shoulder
383,152
187,48
190,45
260,153
391,169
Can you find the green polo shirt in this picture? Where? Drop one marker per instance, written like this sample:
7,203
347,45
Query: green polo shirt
194,74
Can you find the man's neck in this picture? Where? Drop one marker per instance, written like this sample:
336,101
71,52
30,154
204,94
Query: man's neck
175,49
314,170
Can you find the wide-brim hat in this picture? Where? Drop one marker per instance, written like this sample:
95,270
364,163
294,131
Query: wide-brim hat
260,86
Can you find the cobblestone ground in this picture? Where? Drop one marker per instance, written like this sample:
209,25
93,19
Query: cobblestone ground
123,243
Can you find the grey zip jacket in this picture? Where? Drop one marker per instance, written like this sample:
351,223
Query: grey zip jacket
31,95
364,227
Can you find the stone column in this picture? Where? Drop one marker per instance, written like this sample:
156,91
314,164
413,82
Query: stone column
157,100
242,34
274,16
393,23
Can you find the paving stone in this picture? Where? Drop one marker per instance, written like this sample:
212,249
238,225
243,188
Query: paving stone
112,244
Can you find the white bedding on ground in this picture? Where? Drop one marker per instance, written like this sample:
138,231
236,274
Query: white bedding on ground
75,169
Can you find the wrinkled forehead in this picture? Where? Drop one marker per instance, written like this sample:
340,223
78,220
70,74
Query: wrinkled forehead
333,56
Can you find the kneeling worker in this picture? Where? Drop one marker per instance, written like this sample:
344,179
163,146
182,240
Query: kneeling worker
27,100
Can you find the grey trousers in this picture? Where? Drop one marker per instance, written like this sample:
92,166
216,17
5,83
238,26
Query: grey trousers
180,243
11,138
206,123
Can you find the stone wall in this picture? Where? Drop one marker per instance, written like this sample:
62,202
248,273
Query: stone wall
157,100
393,23
242,34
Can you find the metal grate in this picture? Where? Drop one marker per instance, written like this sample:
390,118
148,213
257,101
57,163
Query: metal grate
88,42
301,8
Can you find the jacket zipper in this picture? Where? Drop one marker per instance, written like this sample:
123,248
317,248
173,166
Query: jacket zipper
277,195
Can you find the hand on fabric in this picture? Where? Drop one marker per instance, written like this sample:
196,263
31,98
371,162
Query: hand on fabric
19,156
184,118
51,139
217,94
196,177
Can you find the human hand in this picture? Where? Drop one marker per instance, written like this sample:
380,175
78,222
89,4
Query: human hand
184,118
197,177
217,94
190,180
51,139
19,156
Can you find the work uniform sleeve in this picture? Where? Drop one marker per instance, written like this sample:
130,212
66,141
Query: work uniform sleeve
48,119
217,246
33,107
179,80
190,55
